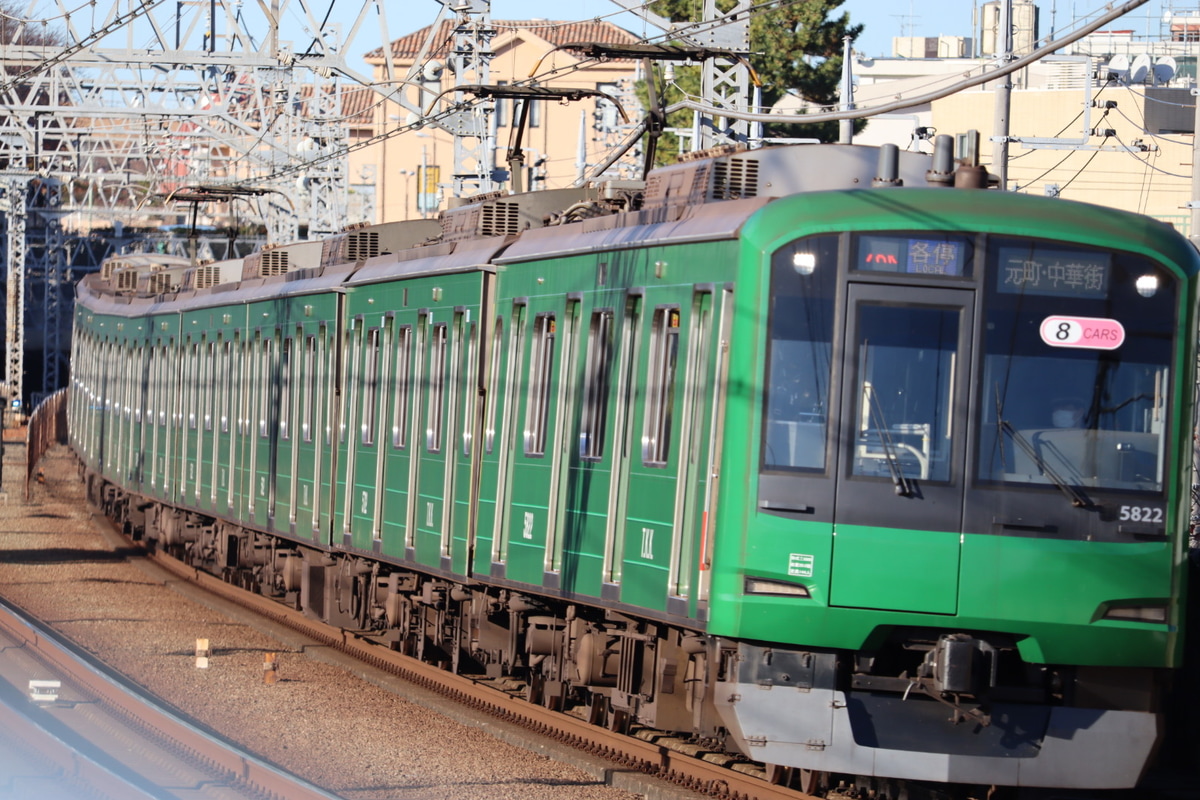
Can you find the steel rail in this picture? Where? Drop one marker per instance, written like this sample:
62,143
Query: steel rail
652,758
244,772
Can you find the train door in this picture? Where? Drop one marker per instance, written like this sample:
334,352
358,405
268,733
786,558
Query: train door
532,478
433,498
206,443
668,411
905,378
262,432
698,441
325,404
362,435
189,453
283,497
222,466
460,476
397,447
622,447
303,448
238,400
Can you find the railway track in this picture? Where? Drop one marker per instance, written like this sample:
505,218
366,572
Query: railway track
652,753
100,738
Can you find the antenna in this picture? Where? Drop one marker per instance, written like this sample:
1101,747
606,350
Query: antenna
1118,68
1164,70
1139,69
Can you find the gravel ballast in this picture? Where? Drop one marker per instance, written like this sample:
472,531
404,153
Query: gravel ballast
321,721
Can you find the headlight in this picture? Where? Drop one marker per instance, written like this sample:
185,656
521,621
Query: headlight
764,586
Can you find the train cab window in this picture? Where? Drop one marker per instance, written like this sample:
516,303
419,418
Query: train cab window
660,390
799,353
907,359
1077,368
541,368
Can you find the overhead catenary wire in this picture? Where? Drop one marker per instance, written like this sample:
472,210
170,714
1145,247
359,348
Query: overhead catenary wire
928,97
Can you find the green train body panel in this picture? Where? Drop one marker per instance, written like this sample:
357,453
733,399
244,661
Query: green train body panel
953,579
616,518
403,479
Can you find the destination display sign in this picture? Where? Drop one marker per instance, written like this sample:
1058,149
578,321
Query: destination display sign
914,255
1034,269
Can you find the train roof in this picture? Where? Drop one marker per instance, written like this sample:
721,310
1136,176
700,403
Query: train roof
705,197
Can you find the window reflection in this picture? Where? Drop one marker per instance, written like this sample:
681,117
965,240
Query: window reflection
1092,418
803,279
906,362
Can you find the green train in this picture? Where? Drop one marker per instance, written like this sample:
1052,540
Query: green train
801,452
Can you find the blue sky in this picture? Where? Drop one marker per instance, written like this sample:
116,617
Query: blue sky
883,18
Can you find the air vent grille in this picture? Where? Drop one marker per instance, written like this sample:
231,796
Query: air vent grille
735,178
361,245
207,277
160,282
500,219
274,262
127,280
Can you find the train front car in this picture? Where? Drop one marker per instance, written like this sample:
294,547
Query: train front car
960,553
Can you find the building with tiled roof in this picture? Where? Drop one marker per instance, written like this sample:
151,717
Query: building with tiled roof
551,142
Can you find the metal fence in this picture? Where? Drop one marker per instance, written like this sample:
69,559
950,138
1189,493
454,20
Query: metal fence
47,426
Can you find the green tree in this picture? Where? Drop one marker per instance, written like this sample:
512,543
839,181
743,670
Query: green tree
796,47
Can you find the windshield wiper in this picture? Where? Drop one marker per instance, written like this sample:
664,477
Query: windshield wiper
1077,498
903,487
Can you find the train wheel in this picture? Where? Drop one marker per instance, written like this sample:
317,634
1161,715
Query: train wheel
810,781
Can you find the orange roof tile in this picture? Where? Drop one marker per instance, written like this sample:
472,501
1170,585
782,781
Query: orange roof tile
556,33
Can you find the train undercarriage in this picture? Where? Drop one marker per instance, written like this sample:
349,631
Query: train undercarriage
950,695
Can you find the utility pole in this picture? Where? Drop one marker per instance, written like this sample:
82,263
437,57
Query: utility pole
1194,205
846,126
1004,44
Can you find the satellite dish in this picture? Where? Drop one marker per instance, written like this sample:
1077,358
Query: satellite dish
1139,69
1164,70
1118,68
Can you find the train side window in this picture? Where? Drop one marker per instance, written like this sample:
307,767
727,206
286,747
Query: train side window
465,414
210,361
596,387
326,380
286,382
140,365
193,366
370,387
402,388
493,395
541,367
383,381
308,394
163,394
264,383
437,388
226,387
660,392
